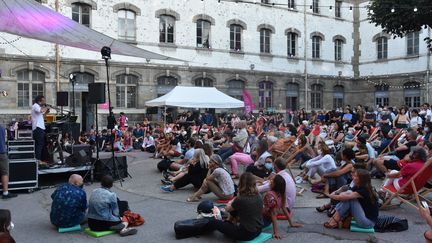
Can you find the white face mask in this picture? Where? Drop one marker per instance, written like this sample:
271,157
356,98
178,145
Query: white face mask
296,142
319,151
11,226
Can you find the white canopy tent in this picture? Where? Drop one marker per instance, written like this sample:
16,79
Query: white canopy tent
196,97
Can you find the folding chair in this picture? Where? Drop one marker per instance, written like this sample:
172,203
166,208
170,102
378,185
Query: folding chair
409,189
395,138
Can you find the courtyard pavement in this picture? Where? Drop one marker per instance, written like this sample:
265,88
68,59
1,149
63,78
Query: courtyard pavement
30,214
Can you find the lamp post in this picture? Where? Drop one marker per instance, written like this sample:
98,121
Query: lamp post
72,79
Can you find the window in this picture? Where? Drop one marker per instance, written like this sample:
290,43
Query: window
203,33
292,44
235,89
235,37
30,84
315,6
81,13
338,7
265,1
412,94
166,29
292,94
338,49
316,96
265,40
338,96
382,48
265,94
203,82
126,90
291,4
126,25
381,95
413,43
316,47
165,84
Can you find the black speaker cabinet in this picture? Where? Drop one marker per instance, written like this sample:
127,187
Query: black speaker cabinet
62,98
80,155
23,174
96,93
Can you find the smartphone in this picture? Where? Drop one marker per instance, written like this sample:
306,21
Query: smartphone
425,204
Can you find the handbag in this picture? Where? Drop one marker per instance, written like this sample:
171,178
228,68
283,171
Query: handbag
191,227
134,219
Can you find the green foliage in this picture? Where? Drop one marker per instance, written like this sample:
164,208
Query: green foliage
403,19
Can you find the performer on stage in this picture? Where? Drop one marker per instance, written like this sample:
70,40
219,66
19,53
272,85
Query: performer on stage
37,114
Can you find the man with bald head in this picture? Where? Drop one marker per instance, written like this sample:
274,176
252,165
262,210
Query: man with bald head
69,203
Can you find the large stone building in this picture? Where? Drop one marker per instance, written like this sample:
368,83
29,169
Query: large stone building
289,54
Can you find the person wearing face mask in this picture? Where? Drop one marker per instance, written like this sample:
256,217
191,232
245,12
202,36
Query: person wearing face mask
69,204
427,132
385,119
6,226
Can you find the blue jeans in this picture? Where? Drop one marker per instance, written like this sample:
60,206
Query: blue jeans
353,206
226,153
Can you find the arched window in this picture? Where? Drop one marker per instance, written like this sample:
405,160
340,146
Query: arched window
292,38
265,93
127,25
382,48
30,84
338,48
382,95
236,37
412,94
235,88
165,84
203,33
126,90
316,46
292,95
265,37
81,13
166,29
338,96
316,96
203,82
81,85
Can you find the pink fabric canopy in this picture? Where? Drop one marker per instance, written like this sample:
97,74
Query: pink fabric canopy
31,19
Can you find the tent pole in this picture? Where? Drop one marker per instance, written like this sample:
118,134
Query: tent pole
165,116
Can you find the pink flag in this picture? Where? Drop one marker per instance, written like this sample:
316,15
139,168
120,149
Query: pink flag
248,103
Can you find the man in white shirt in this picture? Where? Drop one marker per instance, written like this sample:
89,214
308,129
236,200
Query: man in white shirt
415,120
38,125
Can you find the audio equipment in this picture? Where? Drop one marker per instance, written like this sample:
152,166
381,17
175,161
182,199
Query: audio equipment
62,98
96,93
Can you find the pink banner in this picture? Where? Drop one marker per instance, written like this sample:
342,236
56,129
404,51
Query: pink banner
248,103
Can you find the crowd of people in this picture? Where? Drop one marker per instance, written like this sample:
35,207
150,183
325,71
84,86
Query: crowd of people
338,153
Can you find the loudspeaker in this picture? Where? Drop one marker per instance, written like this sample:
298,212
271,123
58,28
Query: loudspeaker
96,93
106,167
62,98
81,155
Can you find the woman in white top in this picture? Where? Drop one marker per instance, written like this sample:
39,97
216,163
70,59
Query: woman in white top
323,163
415,120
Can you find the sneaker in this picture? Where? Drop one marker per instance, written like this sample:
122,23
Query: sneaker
128,231
9,196
165,175
167,188
117,227
166,182
298,180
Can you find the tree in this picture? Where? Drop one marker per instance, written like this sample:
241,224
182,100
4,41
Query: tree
400,17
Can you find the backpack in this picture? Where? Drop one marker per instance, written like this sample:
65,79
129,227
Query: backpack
164,164
390,224
191,227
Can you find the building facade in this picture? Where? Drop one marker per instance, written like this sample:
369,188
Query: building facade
289,54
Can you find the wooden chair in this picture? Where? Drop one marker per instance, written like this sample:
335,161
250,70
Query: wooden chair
395,138
406,192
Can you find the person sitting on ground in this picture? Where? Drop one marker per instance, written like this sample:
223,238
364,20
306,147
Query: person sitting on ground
194,174
245,222
6,226
323,163
275,202
290,188
218,181
263,165
174,149
410,166
69,204
246,159
191,145
425,213
148,144
303,153
127,142
361,202
389,160
103,212
239,141
83,138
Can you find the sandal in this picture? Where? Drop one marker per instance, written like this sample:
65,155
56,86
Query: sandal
331,226
323,208
193,199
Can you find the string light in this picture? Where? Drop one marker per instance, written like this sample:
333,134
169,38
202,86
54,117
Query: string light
415,9
12,41
381,83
